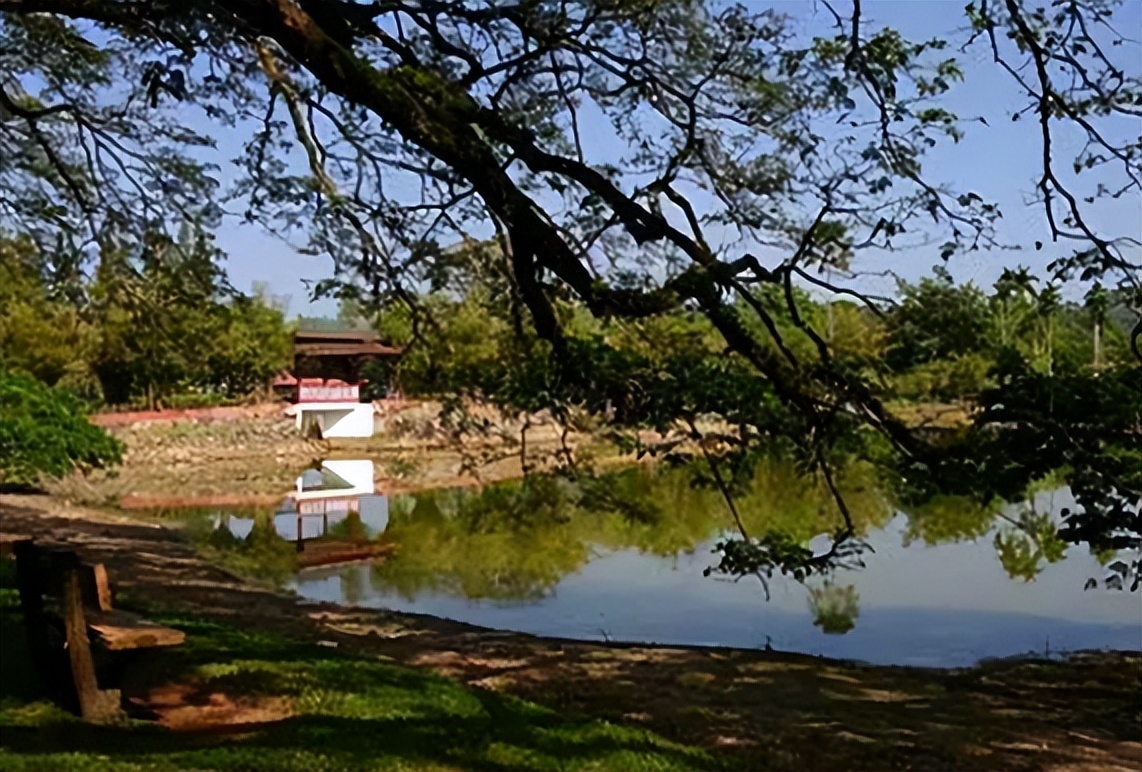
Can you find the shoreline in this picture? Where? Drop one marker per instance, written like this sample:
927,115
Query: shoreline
998,714
20,513
208,454
257,451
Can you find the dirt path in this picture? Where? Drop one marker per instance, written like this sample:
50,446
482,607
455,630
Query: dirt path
786,711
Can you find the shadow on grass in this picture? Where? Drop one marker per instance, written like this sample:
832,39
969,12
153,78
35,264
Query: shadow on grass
512,742
350,713
751,710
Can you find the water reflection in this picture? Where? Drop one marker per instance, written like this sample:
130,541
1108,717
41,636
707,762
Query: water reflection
622,557
332,516
335,498
515,543
835,608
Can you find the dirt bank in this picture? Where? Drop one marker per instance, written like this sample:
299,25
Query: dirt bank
787,711
251,456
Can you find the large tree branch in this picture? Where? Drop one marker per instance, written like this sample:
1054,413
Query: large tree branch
445,121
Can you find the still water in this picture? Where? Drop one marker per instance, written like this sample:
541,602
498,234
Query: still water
623,558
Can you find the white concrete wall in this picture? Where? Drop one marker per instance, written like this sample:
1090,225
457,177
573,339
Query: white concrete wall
355,422
336,419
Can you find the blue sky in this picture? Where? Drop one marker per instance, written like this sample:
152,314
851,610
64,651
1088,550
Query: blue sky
1000,161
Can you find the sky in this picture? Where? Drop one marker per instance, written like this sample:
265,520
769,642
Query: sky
1000,161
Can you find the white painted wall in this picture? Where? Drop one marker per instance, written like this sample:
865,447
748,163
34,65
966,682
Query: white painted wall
336,419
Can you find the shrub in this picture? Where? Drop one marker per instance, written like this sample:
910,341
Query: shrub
44,431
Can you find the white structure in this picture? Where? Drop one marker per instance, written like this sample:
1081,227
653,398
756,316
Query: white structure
334,408
329,495
339,479
335,419
324,496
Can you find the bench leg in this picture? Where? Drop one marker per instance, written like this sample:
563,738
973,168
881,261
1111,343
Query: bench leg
94,705
30,584
96,587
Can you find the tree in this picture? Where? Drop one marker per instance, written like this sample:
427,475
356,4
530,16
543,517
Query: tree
145,326
39,335
168,321
1047,307
936,320
154,304
249,343
1012,306
424,122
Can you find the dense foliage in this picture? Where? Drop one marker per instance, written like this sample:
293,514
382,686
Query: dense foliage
941,342
143,328
45,432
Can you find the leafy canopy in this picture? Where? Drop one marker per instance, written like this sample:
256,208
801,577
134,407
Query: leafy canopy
145,327
748,157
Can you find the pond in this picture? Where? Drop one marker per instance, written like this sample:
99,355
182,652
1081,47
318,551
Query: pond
623,557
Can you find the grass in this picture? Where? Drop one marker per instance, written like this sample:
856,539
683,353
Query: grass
344,713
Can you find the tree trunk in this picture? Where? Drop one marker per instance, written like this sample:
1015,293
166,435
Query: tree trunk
1097,346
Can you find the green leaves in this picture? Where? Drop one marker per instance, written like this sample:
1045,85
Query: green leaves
1029,543
45,432
935,321
835,608
1032,424
91,155
143,328
596,140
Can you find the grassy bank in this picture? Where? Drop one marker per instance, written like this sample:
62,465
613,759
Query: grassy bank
308,708
261,455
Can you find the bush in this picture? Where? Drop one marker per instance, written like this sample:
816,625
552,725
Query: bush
962,377
44,431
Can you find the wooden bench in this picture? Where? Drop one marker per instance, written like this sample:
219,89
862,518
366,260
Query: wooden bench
82,625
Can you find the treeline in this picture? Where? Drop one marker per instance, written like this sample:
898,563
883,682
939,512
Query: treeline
940,341
157,326
943,340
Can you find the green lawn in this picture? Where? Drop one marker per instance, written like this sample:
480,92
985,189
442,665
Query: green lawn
349,713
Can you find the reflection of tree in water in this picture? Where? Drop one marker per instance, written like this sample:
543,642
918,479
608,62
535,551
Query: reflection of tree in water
349,527
835,608
944,519
263,553
1026,540
517,541
504,543
352,580
1028,543
222,537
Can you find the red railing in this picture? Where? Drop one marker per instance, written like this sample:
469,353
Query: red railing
318,390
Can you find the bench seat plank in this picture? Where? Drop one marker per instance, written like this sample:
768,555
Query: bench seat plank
121,630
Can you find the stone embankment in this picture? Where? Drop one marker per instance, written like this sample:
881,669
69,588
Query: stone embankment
251,455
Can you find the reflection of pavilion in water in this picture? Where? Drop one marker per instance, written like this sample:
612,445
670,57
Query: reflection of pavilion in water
333,516
336,514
